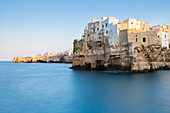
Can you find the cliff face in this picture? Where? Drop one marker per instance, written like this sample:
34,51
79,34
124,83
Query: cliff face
152,58
131,57
28,59
43,59
141,59
90,54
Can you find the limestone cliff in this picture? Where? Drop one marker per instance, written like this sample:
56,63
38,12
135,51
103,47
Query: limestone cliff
131,57
142,59
43,59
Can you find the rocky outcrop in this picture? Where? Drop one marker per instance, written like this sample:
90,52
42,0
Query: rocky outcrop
43,59
124,58
151,58
141,59
90,54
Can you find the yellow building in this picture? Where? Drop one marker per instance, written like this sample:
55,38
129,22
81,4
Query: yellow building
132,25
144,26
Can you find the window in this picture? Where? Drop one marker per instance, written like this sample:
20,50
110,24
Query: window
131,22
106,32
158,36
144,39
136,39
136,35
93,30
99,37
102,26
106,24
97,28
137,24
102,33
165,36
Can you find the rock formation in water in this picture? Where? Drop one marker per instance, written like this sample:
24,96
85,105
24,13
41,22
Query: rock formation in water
137,50
43,59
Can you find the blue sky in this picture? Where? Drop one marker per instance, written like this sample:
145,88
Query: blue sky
28,27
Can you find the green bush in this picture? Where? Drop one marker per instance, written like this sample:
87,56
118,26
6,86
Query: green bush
163,49
143,46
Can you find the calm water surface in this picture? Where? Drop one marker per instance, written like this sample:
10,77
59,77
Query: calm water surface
54,88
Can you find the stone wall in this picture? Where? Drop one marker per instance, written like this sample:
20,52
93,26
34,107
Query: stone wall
139,38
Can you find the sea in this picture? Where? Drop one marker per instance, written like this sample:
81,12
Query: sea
54,88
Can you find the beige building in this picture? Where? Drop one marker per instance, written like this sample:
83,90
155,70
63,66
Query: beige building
140,33
133,23
147,38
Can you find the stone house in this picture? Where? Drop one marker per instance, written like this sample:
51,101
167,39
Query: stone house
145,38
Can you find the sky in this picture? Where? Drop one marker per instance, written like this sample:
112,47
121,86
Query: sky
29,27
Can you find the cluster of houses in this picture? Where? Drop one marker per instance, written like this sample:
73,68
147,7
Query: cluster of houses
111,28
61,53
110,42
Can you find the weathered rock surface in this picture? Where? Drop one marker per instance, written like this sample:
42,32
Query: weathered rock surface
141,59
127,58
43,59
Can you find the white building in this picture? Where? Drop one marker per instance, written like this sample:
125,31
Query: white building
66,52
109,29
132,23
107,26
94,29
164,37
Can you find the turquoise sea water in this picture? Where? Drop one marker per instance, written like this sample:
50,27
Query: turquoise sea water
54,88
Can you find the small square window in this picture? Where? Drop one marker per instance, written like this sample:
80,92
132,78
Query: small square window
144,39
131,22
97,28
